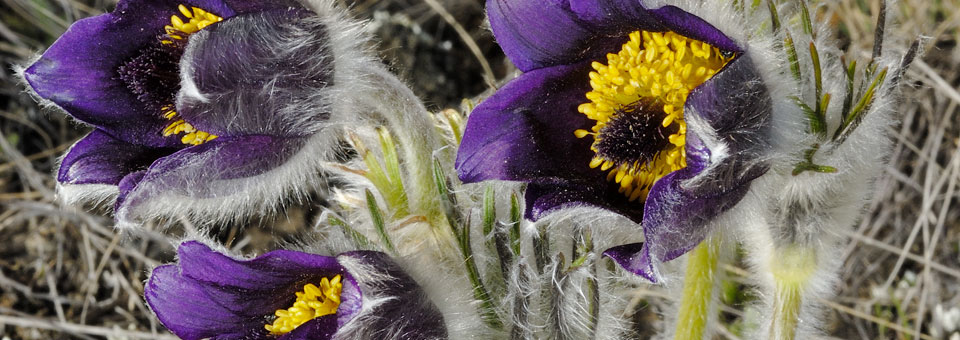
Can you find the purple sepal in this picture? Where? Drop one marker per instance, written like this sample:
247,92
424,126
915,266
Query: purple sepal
543,199
203,171
633,258
252,75
545,33
736,106
516,133
322,328
79,72
209,294
511,133
692,26
99,158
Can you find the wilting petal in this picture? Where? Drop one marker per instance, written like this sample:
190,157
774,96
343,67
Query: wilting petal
524,132
99,158
259,73
218,169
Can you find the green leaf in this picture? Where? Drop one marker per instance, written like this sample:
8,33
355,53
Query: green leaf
792,56
816,125
774,17
805,18
489,210
377,218
515,219
361,241
863,106
395,192
818,89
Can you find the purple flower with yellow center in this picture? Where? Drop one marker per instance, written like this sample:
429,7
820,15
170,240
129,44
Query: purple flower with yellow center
199,107
654,114
290,295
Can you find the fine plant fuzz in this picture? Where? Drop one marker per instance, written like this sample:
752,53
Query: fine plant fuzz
505,169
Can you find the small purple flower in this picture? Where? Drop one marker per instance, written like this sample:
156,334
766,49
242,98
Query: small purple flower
194,103
356,295
654,114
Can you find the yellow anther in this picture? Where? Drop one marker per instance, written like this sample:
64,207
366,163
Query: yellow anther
313,302
192,137
652,66
176,21
606,165
595,162
186,12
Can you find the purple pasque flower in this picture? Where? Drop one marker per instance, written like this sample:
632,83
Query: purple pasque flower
290,295
653,114
198,107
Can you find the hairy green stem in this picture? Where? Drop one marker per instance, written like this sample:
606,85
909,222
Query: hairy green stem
792,267
698,284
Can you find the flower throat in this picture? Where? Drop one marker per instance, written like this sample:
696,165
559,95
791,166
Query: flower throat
154,74
637,101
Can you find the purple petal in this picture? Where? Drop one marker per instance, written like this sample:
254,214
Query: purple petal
266,272
692,26
99,158
542,199
322,328
544,33
259,73
524,132
210,169
634,258
209,294
623,16
186,308
409,314
534,34
79,71
734,104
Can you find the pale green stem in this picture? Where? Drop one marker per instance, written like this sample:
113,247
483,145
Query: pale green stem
792,266
698,284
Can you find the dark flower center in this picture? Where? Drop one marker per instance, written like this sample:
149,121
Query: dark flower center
154,75
637,99
635,134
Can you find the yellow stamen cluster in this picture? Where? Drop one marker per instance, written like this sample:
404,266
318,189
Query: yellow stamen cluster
192,136
657,67
197,19
313,302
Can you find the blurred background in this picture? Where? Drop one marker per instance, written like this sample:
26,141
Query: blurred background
65,273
